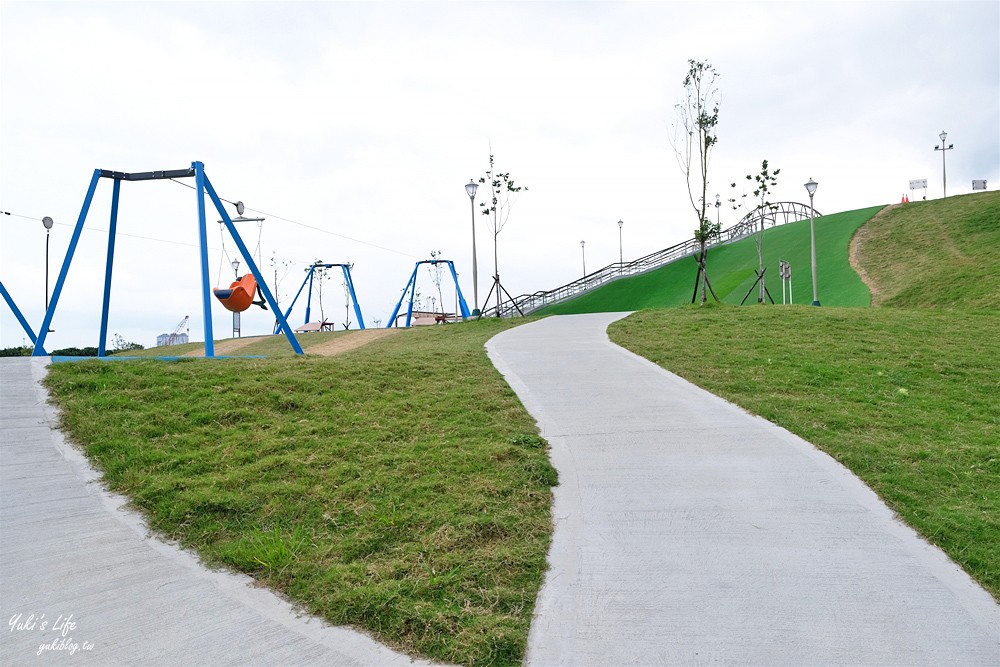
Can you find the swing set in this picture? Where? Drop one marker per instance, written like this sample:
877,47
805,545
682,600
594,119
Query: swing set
346,268
237,298
411,287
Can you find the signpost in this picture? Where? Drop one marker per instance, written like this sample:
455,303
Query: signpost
979,185
919,183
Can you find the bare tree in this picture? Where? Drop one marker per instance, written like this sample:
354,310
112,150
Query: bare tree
693,139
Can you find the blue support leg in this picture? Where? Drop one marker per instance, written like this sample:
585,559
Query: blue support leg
43,332
309,296
261,285
458,290
102,346
277,327
200,180
413,281
354,297
17,313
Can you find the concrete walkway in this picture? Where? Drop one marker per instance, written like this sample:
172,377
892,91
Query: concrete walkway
80,576
689,532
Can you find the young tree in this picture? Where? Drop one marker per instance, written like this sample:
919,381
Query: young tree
503,194
320,276
693,140
435,272
763,183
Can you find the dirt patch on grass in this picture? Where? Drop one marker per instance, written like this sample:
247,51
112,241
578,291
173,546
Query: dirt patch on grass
856,252
225,347
350,341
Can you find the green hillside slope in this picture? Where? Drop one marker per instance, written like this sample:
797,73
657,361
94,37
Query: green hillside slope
941,253
731,271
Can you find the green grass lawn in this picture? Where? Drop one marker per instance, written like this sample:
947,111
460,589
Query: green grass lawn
400,487
907,399
939,253
731,271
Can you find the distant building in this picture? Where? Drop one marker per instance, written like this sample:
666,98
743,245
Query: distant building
171,339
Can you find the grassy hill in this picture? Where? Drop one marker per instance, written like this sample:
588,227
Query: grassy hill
943,253
731,271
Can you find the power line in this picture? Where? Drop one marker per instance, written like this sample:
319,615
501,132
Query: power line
311,227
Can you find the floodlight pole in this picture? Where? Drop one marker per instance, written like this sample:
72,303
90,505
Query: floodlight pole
583,254
944,171
811,189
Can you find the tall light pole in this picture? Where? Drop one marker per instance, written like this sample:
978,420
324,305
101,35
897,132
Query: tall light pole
718,205
583,253
944,172
811,189
621,261
470,189
47,222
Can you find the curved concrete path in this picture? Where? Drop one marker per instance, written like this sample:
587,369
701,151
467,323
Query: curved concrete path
68,549
689,532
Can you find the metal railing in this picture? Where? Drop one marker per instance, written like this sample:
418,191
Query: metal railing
776,214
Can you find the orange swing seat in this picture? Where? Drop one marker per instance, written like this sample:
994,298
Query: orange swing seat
240,294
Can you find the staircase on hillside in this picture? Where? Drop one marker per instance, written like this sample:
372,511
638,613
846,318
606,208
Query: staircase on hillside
777,214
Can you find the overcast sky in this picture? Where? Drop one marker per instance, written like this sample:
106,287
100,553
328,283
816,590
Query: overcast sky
352,127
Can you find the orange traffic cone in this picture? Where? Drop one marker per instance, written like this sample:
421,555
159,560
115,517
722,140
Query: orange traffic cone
907,199
902,200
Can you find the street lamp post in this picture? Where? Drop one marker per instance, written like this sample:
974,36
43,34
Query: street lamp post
944,172
718,205
470,189
47,222
583,253
236,316
811,189
621,261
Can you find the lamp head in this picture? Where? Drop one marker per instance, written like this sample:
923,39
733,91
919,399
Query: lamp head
240,208
470,189
236,265
718,200
943,135
47,221
620,223
811,187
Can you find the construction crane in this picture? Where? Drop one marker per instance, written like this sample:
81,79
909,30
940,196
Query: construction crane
173,337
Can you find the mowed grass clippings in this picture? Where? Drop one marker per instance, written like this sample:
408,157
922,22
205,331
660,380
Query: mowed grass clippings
906,399
400,488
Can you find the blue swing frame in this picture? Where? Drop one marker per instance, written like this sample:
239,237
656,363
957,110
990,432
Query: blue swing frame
309,279
202,187
17,313
411,288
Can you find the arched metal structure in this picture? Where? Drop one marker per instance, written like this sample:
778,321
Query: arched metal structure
779,213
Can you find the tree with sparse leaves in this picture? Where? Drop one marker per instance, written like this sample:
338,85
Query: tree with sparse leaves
763,183
693,139
503,194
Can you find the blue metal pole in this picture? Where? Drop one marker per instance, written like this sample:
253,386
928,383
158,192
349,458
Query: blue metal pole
413,294
102,346
261,285
458,290
206,297
354,297
392,318
277,328
43,332
309,296
17,313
